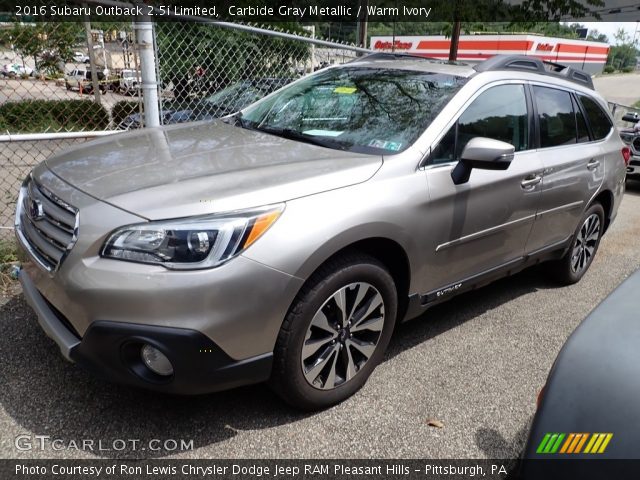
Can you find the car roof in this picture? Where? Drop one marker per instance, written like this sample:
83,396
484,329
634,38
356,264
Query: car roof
517,66
413,63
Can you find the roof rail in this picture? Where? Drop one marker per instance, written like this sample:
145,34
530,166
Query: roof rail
398,56
533,64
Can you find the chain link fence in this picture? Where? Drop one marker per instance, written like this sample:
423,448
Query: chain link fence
60,84
64,83
207,71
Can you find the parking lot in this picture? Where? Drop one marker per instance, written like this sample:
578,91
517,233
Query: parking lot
15,90
476,364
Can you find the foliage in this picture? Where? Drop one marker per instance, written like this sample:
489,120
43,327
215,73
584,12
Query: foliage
224,55
8,252
123,109
596,36
555,9
37,116
623,54
50,44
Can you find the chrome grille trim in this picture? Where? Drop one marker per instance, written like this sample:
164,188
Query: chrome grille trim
50,237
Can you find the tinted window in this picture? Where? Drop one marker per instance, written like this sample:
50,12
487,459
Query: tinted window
581,125
499,113
443,152
599,121
556,117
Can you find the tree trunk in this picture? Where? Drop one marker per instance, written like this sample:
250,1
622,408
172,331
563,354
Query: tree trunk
455,39
362,24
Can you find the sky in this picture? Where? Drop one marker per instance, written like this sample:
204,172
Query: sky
610,28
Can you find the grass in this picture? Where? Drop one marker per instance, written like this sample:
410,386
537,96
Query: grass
637,104
9,257
8,252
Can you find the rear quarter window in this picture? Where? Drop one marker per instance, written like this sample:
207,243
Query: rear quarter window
555,116
600,122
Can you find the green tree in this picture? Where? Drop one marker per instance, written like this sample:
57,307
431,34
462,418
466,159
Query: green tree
596,36
27,41
623,55
50,44
190,53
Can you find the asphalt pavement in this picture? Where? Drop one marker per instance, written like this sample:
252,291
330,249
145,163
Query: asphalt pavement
475,364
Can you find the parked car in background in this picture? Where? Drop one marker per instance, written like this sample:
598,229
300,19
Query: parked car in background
588,409
226,101
283,243
80,57
80,79
631,137
15,69
128,82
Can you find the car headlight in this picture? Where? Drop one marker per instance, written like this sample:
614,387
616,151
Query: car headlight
191,243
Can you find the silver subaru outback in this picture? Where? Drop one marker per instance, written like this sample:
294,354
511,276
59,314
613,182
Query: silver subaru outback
283,243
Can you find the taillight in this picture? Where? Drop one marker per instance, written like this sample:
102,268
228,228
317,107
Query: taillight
626,154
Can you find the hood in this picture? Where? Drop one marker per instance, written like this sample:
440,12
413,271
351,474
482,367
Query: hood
205,167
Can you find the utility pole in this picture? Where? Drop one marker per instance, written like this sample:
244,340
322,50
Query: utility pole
92,61
144,37
362,23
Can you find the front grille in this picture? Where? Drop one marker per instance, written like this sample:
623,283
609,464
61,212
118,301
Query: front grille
636,144
47,226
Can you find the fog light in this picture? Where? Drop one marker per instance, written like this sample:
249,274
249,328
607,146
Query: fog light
156,360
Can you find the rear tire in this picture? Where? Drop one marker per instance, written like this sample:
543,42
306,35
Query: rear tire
335,333
584,246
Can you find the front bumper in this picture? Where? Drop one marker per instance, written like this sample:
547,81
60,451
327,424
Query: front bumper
93,307
633,169
111,350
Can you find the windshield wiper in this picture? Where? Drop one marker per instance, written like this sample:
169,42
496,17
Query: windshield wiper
303,137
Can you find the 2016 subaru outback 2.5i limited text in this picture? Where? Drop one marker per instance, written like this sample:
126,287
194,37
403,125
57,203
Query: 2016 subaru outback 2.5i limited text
284,243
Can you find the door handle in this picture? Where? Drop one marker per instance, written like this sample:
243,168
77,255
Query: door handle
593,164
530,181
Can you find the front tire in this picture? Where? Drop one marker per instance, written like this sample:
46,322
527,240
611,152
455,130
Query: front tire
335,333
586,240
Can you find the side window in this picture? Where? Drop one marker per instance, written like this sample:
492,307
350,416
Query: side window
444,151
556,117
499,113
581,125
599,121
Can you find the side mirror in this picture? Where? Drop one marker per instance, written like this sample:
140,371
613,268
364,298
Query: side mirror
630,117
484,153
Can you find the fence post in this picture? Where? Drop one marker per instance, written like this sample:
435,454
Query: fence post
149,82
95,81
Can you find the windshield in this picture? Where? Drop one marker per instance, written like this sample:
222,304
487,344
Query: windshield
368,110
237,96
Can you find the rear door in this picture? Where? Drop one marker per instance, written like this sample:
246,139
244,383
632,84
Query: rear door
573,166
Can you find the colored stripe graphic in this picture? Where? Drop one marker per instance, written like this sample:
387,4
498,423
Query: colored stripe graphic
604,445
582,441
543,443
573,443
567,443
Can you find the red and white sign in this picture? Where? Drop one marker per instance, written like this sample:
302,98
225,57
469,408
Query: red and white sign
475,48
